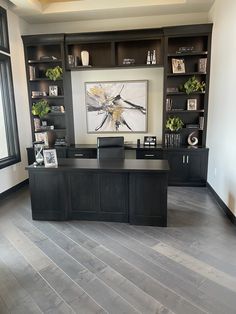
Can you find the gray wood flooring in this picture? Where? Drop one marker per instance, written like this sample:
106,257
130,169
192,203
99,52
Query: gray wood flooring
97,267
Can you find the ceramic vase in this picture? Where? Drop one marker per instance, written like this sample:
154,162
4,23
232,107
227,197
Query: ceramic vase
85,58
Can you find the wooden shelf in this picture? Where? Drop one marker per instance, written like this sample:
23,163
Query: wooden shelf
186,74
186,54
56,113
184,111
40,79
183,93
47,97
44,61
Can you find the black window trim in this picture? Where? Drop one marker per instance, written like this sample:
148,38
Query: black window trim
4,31
9,113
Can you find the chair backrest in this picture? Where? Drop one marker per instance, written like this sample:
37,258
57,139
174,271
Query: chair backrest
110,147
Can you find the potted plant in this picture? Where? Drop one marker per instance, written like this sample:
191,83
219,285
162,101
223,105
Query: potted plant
174,124
193,85
54,73
40,108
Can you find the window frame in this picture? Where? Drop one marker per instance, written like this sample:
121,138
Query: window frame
4,38
8,102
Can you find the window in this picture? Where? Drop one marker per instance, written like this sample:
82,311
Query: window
9,143
4,42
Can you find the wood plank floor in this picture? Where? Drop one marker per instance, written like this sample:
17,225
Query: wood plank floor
97,267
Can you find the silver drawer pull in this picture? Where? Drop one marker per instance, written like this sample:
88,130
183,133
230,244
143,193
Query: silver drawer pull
183,159
187,159
149,155
78,155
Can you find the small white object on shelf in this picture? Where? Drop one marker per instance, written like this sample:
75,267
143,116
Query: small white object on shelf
85,58
149,57
154,61
192,140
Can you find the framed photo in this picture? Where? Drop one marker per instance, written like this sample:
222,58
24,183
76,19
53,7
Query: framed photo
202,65
50,158
53,90
192,104
42,136
119,107
150,140
178,66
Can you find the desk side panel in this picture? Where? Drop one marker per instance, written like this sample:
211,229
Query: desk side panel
148,199
48,197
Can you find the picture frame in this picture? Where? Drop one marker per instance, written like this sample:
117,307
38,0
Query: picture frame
178,66
116,106
150,141
53,90
50,158
42,136
202,65
192,104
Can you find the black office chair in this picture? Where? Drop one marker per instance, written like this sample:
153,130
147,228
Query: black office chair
110,148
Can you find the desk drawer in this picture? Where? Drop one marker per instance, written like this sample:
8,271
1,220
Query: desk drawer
149,154
82,153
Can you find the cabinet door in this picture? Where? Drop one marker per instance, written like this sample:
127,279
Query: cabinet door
48,197
178,168
197,167
187,167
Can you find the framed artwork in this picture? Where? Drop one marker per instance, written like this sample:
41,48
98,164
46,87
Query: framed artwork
50,158
53,90
192,104
178,66
116,106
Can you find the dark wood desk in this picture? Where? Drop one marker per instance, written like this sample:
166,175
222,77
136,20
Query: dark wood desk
132,191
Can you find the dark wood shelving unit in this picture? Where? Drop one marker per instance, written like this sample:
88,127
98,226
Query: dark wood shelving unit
37,47
188,166
109,49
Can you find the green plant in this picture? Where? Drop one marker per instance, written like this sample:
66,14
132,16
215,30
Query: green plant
174,124
193,85
54,73
40,108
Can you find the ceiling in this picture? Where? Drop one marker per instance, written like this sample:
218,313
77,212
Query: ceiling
51,11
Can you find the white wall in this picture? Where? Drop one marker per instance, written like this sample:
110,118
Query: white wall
15,174
155,99
222,106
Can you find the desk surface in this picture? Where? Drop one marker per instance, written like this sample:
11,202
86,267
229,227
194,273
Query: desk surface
126,165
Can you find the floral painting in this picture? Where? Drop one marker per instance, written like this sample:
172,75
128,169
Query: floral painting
116,106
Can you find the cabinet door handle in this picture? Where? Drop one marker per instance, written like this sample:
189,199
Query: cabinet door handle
78,155
187,158
183,159
149,155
